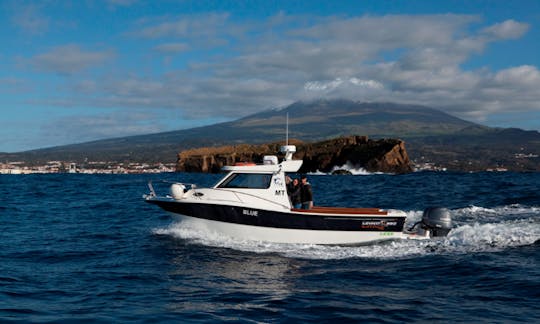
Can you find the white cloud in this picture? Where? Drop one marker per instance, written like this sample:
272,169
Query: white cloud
121,3
13,85
526,76
266,64
327,86
509,29
193,26
323,85
30,18
91,127
370,84
69,59
172,48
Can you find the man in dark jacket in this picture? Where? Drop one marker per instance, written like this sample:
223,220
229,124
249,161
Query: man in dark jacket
306,195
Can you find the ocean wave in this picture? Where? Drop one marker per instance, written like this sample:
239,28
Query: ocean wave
482,214
350,167
494,237
508,209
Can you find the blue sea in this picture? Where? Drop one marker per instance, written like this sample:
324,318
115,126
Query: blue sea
87,248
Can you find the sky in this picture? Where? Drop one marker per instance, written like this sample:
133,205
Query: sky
82,70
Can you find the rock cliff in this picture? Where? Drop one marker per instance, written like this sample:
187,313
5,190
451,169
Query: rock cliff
385,155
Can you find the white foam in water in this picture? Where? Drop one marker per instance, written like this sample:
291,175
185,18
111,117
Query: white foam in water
494,237
466,238
502,210
496,214
353,169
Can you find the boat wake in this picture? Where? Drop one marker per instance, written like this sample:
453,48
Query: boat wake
478,230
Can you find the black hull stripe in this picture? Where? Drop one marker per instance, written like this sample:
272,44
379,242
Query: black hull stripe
265,218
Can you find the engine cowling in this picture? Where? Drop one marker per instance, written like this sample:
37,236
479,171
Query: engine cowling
437,220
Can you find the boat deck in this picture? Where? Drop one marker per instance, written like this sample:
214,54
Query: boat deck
342,210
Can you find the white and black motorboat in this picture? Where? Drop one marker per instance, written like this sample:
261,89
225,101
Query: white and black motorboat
251,203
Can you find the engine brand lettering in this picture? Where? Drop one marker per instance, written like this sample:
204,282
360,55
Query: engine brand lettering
250,212
371,223
379,225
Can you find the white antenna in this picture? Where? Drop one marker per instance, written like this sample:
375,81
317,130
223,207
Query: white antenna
287,131
289,150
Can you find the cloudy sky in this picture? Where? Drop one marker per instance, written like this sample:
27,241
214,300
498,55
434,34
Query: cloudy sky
75,71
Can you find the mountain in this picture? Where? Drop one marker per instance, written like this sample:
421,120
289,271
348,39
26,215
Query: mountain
328,118
308,121
429,133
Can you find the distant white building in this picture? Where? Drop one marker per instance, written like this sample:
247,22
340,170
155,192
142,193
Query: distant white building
72,168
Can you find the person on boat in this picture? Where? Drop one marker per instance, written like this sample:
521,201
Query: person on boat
306,195
295,194
288,183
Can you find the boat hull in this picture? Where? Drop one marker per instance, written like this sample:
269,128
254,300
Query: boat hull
286,227
284,235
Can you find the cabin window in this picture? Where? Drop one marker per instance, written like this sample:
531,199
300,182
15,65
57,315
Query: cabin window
248,181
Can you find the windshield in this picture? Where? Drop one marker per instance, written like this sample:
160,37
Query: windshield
247,181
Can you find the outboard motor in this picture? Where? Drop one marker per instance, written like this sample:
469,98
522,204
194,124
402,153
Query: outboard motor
437,220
